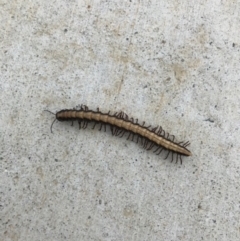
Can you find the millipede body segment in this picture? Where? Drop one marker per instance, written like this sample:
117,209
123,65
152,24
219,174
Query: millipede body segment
121,123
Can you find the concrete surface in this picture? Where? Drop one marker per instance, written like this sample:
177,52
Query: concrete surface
172,63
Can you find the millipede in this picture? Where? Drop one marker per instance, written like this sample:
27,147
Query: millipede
120,123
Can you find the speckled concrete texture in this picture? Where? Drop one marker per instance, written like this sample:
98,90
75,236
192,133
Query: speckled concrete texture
169,63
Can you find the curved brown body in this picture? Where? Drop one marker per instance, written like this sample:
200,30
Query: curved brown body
122,122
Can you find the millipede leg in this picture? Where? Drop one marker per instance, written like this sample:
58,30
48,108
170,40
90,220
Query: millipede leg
84,107
150,146
79,123
159,131
145,143
85,124
172,156
159,151
154,129
115,132
129,135
124,116
167,155
112,129
186,144
137,138
101,125
181,159
118,115
122,133
119,132
94,125
163,132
